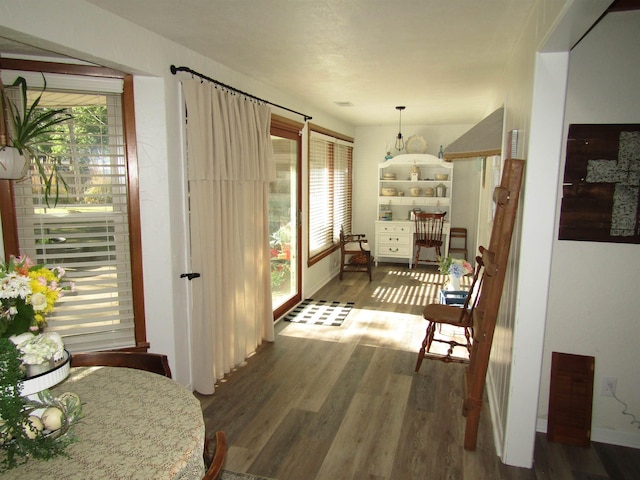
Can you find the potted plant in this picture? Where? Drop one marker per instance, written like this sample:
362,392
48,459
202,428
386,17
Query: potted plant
24,125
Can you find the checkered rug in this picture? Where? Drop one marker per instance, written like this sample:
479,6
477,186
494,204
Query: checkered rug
320,312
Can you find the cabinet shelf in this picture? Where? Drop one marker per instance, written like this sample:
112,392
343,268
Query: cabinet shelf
394,232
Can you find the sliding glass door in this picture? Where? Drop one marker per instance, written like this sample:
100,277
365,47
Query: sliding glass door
284,224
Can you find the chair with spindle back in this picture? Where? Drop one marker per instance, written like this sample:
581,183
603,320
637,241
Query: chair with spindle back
214,460
428,234
438,314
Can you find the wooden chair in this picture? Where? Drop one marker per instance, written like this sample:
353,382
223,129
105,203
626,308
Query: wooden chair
459,237
428,234
213,460
438,314
151,362
355,254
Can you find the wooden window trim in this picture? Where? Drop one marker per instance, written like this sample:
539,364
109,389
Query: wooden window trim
287,128
337,135
7,205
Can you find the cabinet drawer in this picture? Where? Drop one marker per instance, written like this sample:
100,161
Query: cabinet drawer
389,227
387,250
394,239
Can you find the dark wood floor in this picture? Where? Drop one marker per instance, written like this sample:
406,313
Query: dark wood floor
343,402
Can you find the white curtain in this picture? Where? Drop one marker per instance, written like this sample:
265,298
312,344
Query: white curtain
231,163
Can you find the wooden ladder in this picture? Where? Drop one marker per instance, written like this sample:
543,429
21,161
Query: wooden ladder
495,258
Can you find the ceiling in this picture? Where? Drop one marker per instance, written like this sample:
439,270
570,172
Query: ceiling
442,59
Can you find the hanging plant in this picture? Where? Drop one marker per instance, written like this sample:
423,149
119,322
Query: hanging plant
26,125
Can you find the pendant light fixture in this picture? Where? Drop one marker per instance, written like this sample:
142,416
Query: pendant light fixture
400,140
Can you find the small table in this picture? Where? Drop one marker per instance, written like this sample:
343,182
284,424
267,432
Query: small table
453,297
135,424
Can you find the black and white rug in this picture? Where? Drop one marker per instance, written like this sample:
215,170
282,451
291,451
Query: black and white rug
320,312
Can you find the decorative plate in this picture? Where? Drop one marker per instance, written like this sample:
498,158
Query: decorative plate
416,144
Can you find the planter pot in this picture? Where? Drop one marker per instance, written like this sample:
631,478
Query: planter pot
13,166
47,379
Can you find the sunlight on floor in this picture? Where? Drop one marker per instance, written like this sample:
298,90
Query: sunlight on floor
383,327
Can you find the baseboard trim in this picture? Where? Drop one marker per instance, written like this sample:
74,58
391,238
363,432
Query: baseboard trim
603,435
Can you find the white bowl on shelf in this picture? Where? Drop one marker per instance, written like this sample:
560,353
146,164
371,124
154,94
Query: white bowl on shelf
389,192
442,176
415,191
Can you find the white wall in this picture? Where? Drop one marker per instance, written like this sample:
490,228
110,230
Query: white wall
535,88
593,301
80,30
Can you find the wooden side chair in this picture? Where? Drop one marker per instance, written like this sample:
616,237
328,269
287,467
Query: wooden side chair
214,455
428,234
151,362
355,254
458,242
437,314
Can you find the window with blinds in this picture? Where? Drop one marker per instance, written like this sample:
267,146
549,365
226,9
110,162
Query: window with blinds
330,187
87,232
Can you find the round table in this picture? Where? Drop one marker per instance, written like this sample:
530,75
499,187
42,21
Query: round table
135,425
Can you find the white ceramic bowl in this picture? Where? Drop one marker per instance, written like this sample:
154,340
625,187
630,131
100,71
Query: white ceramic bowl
415,191
389,192
442,176
429,192
48,379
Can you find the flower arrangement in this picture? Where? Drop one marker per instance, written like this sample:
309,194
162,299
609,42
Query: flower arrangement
39,427
455,267
28,293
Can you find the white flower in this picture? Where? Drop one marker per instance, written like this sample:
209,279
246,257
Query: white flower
38,301
39,349
23,337
13,285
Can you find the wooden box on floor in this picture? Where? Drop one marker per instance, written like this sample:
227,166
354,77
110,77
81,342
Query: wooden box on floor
570,399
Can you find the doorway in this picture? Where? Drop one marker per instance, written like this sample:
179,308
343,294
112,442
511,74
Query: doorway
285,195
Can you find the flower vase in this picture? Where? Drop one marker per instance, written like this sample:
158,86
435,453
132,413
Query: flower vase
39,368
57,373
454,283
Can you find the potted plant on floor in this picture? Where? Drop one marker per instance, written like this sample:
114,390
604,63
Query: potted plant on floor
22,126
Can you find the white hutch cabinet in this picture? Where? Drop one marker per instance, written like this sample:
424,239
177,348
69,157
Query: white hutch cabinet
406,183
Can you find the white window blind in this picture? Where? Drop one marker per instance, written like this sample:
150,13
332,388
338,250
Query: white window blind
87,232
330,187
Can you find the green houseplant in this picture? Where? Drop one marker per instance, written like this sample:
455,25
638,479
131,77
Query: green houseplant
26,125
25,432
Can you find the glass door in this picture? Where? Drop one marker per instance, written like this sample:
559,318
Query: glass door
284,225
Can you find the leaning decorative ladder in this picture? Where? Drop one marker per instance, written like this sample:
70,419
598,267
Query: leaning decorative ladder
495,259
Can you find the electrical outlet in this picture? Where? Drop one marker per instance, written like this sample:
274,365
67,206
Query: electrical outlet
608,388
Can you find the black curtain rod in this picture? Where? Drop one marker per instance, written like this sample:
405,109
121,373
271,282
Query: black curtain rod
175,70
